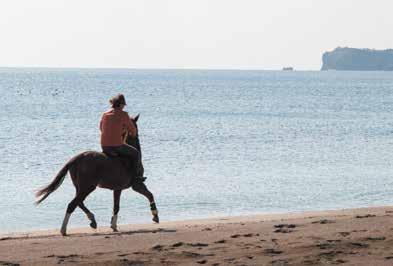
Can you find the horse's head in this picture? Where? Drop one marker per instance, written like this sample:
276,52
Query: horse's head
134,141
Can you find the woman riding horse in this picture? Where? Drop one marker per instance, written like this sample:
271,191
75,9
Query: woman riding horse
91,169
112,125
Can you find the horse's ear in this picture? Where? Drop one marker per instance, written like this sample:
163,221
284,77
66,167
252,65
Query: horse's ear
136,118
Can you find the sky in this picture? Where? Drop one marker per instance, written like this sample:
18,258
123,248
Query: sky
202,34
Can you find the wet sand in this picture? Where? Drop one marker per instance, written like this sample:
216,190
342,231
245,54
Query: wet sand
349,237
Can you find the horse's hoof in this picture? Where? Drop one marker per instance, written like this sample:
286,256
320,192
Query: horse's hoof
156,219
63,233
114,228
93,225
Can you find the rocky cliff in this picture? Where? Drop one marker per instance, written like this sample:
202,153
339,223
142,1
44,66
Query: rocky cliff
358,59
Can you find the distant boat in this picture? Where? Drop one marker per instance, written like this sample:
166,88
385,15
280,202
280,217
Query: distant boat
287,68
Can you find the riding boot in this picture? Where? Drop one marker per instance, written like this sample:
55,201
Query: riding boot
139,171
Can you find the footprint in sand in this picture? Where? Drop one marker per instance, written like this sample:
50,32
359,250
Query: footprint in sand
191,254
99,253
272,251
325,245
220,241
333,240
376,238
344,234
323,221
198,244
285,225
330,254
158,247
7,263
132,262
355,231
365,216
280,262
284,228
178,244
359,245
310,262
139,253
294,243
64,256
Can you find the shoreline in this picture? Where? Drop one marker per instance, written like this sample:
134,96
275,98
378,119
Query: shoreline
216,219
361,236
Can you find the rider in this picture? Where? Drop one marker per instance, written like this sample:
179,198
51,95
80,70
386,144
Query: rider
112,125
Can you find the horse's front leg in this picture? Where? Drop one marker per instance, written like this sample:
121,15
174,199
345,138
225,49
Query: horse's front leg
142,189
116,207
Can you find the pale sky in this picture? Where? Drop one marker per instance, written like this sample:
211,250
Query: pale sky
223,34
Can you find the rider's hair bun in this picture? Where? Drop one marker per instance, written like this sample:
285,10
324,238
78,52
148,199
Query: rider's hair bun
117,100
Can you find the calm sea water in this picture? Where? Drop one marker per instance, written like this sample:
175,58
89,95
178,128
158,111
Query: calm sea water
215,143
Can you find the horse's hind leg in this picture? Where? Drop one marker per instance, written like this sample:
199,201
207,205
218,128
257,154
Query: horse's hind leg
89,214
142,189
116,208
79,198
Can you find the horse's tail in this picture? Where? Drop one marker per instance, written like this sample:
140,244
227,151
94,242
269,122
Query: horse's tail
56,182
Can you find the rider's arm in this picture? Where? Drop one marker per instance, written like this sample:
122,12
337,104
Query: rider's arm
130,126
102,117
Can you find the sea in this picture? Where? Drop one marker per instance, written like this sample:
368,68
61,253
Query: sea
215,143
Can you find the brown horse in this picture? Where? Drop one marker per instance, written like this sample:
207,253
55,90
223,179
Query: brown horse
91,169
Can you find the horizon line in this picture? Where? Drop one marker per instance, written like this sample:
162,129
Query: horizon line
151,68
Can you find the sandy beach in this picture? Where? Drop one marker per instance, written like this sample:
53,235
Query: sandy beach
350,237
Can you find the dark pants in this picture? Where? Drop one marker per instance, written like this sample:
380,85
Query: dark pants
130,152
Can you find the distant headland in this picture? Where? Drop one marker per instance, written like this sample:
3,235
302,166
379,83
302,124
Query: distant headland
344,58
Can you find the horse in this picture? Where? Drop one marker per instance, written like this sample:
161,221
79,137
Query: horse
92,169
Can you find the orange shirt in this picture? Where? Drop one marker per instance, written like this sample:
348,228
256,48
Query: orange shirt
112,125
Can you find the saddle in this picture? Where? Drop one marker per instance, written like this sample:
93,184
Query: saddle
124,160
111,153
130,166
